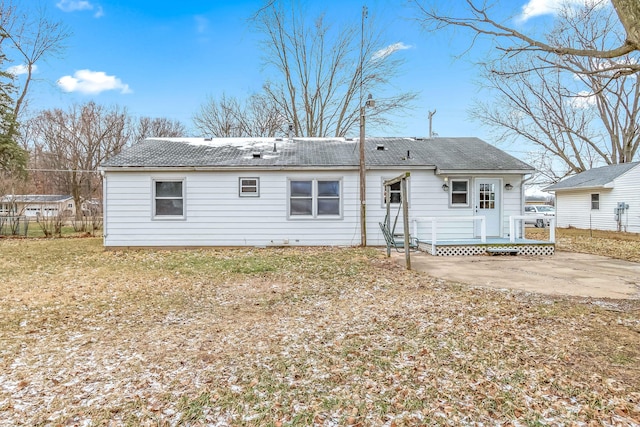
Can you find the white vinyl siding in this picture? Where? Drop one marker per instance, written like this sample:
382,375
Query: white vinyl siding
429,200
574,207
216,216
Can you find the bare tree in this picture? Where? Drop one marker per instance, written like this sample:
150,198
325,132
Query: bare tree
481,22
146,127
229,117
576,114
321,71
33,37
76,141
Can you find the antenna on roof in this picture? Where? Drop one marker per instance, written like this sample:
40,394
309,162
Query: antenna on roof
431,114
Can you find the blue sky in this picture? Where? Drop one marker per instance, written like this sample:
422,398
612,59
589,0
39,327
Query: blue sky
164,58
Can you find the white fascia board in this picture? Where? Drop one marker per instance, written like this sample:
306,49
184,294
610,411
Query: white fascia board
218,168
607,186
484,171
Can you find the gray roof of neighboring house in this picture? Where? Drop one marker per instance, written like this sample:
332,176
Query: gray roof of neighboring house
444,154
593,178
34,198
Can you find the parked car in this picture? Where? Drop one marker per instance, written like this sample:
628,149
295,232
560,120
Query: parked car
547,211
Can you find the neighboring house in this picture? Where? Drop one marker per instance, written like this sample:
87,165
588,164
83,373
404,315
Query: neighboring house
604,198
301,191
36,205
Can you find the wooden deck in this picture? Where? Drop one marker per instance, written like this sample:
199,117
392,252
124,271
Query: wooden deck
493,246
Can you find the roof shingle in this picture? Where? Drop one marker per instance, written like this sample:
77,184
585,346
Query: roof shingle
593,178
441,153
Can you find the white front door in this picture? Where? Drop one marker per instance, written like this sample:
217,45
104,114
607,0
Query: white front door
487,202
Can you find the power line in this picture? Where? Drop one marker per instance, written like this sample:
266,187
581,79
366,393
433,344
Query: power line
63,170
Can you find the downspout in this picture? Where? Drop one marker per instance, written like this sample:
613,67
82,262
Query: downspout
104,208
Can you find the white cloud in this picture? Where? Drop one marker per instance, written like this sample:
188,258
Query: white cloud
392,48
535,8
92,82
584,100
17,70
202,23
77,5
74,5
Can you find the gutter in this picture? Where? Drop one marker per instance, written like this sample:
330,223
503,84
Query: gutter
253,168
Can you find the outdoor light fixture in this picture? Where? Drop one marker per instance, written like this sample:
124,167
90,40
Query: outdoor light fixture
370,103
508,187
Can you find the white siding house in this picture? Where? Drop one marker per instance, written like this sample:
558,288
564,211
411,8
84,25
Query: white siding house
605,198
184,192
37,205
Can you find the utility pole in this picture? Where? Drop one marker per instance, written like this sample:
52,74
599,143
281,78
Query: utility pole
431,113
362,168
363,184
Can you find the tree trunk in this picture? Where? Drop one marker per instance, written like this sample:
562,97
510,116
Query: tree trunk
629,13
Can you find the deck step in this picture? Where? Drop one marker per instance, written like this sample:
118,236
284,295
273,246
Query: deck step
502,251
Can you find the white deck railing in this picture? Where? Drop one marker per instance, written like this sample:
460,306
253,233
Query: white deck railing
434,226
514,219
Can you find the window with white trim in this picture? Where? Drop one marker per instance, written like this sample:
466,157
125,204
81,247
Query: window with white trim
395,193
249,187
595,201
314,198
168,199
459,192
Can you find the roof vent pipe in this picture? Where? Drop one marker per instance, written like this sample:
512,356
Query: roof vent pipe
275,150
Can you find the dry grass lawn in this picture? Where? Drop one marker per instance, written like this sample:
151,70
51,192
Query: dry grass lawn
279,337
612,244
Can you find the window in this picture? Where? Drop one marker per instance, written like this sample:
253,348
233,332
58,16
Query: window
168,199
459,192
487,196
328,198
314,198
396,192
249,187
595,201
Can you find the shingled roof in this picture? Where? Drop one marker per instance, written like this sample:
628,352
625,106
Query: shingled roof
34,198
444,154
593,178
